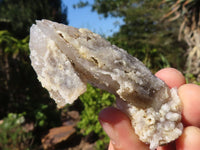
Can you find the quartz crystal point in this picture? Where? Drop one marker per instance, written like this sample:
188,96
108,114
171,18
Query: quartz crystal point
66,59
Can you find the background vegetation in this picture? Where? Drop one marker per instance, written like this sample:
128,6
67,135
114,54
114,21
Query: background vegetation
149,32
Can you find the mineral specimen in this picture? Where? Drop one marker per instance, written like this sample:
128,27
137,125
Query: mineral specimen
66,59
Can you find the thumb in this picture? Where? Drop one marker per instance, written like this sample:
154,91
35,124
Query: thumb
118,127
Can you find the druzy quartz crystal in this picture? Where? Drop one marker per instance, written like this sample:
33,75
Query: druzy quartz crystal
66,59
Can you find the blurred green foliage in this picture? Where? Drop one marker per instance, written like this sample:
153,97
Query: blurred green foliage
17,16
142,35
13,135
94,100
20,91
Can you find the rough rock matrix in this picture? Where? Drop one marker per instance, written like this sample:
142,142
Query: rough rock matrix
66,58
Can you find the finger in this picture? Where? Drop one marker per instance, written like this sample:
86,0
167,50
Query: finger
110,147
189,140
118,127
190,97
171,76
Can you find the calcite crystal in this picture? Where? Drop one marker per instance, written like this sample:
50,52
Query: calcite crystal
66,59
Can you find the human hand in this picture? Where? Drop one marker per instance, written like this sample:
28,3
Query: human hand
122,137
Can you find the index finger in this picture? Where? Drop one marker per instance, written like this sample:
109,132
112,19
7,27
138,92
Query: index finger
171,76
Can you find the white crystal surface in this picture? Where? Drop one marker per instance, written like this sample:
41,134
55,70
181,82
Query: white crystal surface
54,69
66,58
156,127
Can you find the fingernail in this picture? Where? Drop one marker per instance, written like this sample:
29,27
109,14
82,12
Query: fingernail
114,139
